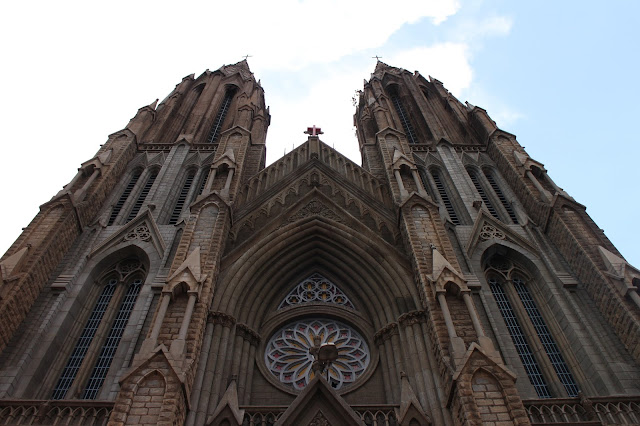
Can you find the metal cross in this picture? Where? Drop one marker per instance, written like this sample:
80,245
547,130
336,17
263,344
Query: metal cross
314,131
377,57
247,56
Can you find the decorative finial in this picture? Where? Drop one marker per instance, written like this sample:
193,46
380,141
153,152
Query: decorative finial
247,56
377,57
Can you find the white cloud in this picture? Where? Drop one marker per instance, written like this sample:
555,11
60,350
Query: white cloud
448,62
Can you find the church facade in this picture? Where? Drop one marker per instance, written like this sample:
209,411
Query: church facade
446,281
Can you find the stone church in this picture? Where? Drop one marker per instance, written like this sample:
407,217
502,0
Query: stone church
446,281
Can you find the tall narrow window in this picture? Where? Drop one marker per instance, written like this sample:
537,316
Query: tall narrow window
520,313
549,344
110,345
82,346
124,196
216,128
445,197
113,298
519,340
142,196
404,117
483,195
182,197
501,197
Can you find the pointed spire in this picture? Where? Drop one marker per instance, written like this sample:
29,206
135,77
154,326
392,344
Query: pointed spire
154,104
188,272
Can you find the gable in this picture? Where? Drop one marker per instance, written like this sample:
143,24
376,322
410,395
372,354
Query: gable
305,202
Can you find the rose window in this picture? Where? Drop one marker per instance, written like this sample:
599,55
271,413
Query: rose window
288,358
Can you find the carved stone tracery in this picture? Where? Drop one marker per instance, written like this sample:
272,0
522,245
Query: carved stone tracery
313,208
140,232
488,232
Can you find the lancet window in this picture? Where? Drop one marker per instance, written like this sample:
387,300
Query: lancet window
520,312
316,288
485,199
143,195
216,128
124,196
444,196
404,117
182,197
91,357
503,200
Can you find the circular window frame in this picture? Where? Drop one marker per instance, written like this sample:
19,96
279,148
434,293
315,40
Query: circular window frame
317,311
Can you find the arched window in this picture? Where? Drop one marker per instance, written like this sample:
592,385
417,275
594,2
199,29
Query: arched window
216,128
503,200
143,195
483,195
91,356
182,197
444,196
508,284
402,114
123,197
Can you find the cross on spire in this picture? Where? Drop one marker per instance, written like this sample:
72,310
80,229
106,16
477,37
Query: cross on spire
377,57
247,56
314,131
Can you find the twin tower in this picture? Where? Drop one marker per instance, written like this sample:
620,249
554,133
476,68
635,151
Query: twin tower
446,281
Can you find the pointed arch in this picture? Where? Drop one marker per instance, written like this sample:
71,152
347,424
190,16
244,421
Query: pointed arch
509,280
89,361
256,285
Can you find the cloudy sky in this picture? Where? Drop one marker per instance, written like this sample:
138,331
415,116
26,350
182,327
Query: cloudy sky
562,76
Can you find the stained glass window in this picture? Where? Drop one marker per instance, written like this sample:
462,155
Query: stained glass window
287,354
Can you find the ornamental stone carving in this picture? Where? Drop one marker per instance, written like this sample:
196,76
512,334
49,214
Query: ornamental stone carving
313,208
488,232
140,232
225,320
288,358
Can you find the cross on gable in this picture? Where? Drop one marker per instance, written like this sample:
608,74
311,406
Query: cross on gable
314,131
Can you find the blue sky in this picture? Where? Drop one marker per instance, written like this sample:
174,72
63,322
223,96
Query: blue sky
562,76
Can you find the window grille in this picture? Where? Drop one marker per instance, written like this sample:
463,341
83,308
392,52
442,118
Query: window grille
501,197
214,133
404,119
82,346
124,196
445,198
113,340
520,342
182,197
549,344
483,195
142,196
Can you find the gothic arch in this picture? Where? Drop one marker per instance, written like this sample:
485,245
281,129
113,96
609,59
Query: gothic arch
254,284
73,319
522,290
